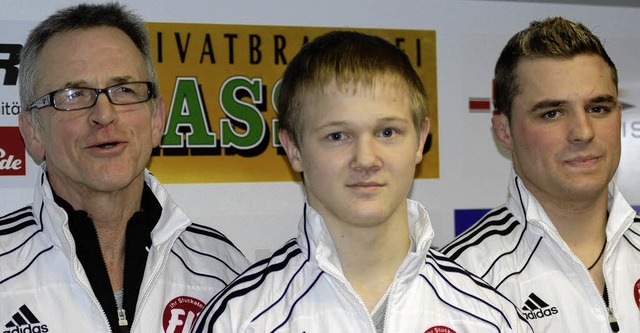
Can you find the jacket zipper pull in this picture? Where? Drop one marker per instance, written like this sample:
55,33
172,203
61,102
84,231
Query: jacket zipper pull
122,321
613,322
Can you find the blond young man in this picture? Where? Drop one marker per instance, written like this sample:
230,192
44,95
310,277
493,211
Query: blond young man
353,117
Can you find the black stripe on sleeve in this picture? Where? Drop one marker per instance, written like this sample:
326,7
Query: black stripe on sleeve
523,266
197,273
296,302
218,305
27,266
206,255
512,224
210,232
478,228
455,307
448,265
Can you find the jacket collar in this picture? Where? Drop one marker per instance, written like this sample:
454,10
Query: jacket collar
316,243
527,208
54,220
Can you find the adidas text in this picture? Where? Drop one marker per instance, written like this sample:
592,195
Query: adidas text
29,329
541,313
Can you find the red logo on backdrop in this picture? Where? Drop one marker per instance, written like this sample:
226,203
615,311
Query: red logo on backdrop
439,329
180,314
12,152
636,293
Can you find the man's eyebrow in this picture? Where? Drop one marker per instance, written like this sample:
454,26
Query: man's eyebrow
554,103
75,84
84,84
393,119
604,99
335,123
548,103
120,79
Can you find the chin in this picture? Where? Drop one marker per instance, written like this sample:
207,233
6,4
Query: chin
370,218
110,183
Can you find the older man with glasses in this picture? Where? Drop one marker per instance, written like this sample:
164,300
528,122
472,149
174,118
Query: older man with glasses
103,247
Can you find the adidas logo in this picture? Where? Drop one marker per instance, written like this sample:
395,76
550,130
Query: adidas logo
536,308
24,321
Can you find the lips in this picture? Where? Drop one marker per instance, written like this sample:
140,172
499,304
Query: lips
365,185
108,145
583,160
105,144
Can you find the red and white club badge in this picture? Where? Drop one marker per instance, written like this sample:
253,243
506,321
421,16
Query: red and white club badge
180,314
636,293
439,329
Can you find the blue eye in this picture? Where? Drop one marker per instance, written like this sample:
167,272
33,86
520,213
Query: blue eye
388,132
337,136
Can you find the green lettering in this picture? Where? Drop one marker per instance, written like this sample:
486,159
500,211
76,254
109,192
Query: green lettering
242,114
187,119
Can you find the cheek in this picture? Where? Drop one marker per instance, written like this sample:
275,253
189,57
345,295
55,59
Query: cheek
533,139
322,167
612,132
57,136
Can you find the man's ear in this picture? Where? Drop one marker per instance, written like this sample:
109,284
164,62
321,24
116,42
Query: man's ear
157,121
502,130
424,133
292,150
32,136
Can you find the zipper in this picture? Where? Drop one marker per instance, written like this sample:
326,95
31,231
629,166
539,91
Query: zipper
346,285
122,321
89,291
144,294
613,321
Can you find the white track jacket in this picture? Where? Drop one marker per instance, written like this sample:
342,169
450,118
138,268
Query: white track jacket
301,288
43,287
517,249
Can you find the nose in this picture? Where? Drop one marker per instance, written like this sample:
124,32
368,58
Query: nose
581,127
366,154
103,112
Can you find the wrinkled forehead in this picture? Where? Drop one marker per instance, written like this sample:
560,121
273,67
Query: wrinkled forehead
89,50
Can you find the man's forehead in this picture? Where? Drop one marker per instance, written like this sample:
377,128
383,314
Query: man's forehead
68,58
562,75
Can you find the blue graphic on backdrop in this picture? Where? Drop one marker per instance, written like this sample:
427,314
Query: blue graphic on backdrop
465,218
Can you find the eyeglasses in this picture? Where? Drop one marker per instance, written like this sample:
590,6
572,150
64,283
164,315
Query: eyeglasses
71,99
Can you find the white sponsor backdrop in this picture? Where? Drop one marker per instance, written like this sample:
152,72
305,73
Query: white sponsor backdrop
258,217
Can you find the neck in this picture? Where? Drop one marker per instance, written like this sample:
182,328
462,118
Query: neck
110,212
582,226
370,256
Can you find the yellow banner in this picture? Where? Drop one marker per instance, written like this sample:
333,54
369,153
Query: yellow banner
219,82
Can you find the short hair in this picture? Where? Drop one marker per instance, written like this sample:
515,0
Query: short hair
348,59
81,16
554,37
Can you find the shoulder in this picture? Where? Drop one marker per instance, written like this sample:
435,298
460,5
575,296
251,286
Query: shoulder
632,235
204,249
465,292
265,285
207,238
496,235
20,244
17,227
